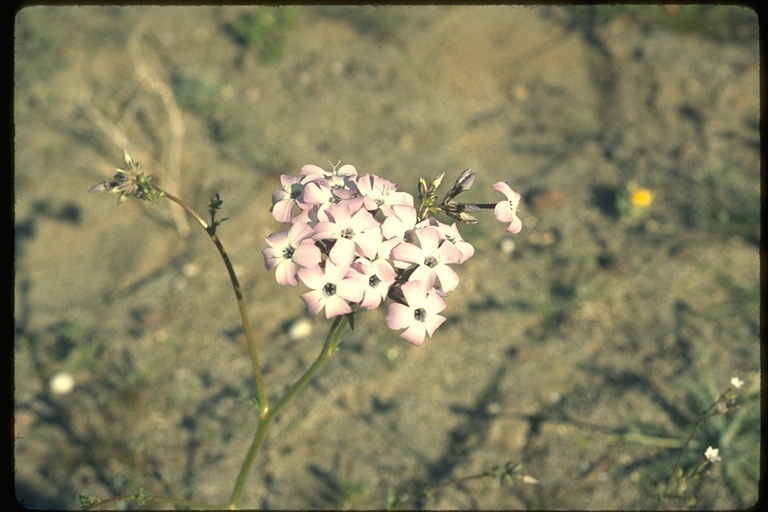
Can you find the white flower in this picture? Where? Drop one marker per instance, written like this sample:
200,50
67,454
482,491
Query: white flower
737,382
712,454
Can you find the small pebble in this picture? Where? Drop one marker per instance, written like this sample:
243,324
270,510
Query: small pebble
299,329
507,246
62,383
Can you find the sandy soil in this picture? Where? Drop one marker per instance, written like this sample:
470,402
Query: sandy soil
586,353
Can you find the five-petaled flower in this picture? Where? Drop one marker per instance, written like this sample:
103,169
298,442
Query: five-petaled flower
287,249
419,316
332,289
506,211
431,255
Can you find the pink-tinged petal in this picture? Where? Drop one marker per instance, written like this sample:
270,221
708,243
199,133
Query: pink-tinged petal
342,253
415,293
314,301
515,227
432,322
307,254
434,303
351,289
398,220
338,213
414,334
368,243
503,212
503,188
286,180
449,252
346,170
371,300
385,249
314,277
285,273
384,271
282,209
467,250
278,240
335,273
362,220
326,230
272,257
335,306
429,238
312,170
449,279
318,192
400,198
399,316
408,253
298,232
425,275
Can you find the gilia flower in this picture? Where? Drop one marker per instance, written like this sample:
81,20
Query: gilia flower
399,219
452,235
378,275
284,199
332,286
420,316
506,211
359,226
380,192
432,255
289,247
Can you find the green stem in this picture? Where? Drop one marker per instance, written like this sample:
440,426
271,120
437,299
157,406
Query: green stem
260,391
329,347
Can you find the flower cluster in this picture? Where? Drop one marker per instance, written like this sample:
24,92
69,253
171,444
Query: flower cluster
355,240
129,182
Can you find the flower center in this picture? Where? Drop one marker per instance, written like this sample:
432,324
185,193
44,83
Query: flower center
419,314
347,233
374,281
329,289
296,190
288,252
430,261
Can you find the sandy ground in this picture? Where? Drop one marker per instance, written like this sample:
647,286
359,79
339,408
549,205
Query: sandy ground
585,354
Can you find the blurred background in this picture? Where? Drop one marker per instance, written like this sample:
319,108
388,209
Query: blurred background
584,348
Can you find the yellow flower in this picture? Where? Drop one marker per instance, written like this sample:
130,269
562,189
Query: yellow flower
641,197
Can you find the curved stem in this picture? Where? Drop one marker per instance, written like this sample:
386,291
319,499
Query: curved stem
252,352
329,347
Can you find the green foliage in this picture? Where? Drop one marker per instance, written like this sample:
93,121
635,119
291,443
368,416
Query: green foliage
196,94
731,423
264,30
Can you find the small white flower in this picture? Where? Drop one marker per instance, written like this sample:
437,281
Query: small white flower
737,382
712,454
